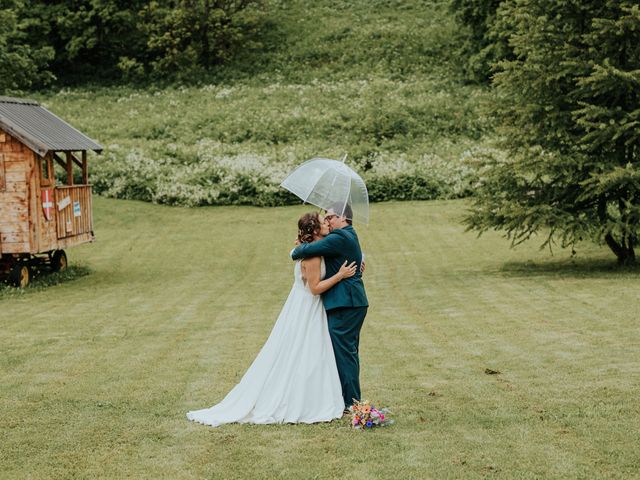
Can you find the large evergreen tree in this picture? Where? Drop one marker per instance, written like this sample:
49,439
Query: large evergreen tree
481,47
570,103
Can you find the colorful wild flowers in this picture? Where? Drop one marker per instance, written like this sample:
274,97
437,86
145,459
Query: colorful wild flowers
364,415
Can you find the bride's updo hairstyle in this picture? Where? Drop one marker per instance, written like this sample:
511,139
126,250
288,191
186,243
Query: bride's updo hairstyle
308,226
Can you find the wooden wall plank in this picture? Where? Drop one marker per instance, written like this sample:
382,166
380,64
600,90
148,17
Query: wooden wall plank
14,227
77,240
16,171
15,187
14,197
16,217
14,237
16,166
13,247
13,147
6,209
13,157
16,177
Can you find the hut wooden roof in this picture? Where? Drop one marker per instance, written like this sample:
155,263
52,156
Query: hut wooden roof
39,129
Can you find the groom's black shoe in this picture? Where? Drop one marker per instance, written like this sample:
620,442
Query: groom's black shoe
346,411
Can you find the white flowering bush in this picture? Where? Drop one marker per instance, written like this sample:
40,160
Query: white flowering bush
207,180
425,178
250,179
409,137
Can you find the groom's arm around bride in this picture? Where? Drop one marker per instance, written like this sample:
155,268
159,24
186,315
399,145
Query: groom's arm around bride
341,244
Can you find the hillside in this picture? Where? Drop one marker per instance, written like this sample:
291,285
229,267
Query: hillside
377,80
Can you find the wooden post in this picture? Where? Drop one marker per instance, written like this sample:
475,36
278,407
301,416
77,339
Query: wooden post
85,170
51,169
3,184
69,168
35,198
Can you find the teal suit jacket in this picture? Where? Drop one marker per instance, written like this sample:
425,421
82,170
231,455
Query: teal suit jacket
340,245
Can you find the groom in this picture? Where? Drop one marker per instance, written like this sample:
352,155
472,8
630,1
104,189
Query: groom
346,302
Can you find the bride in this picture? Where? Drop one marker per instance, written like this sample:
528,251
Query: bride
294,378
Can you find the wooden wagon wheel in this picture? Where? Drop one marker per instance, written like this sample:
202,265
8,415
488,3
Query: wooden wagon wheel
59,261
20,275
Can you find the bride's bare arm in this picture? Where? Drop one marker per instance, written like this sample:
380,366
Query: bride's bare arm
311,272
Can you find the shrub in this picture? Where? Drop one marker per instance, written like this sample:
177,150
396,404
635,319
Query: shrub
249,179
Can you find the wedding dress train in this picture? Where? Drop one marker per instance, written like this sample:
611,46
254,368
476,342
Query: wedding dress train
294,378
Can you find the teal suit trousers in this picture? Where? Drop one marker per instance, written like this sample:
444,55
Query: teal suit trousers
344,329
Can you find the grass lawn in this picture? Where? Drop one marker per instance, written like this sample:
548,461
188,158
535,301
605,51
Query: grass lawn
97,372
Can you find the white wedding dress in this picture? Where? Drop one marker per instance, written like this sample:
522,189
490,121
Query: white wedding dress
294,378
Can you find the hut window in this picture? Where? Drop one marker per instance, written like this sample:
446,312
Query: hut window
46,171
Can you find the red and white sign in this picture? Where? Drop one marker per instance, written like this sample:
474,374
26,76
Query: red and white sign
47,202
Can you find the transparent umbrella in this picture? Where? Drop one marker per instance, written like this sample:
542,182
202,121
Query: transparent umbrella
330,184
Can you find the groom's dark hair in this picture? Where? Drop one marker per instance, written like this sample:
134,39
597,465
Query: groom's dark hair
348,213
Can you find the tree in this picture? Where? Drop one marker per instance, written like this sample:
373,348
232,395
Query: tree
92,35
570,103
102,39
185,38
21,63
481,46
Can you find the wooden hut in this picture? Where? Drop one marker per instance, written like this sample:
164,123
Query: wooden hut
45,196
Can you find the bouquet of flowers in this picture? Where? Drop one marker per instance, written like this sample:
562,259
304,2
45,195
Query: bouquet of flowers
364,415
